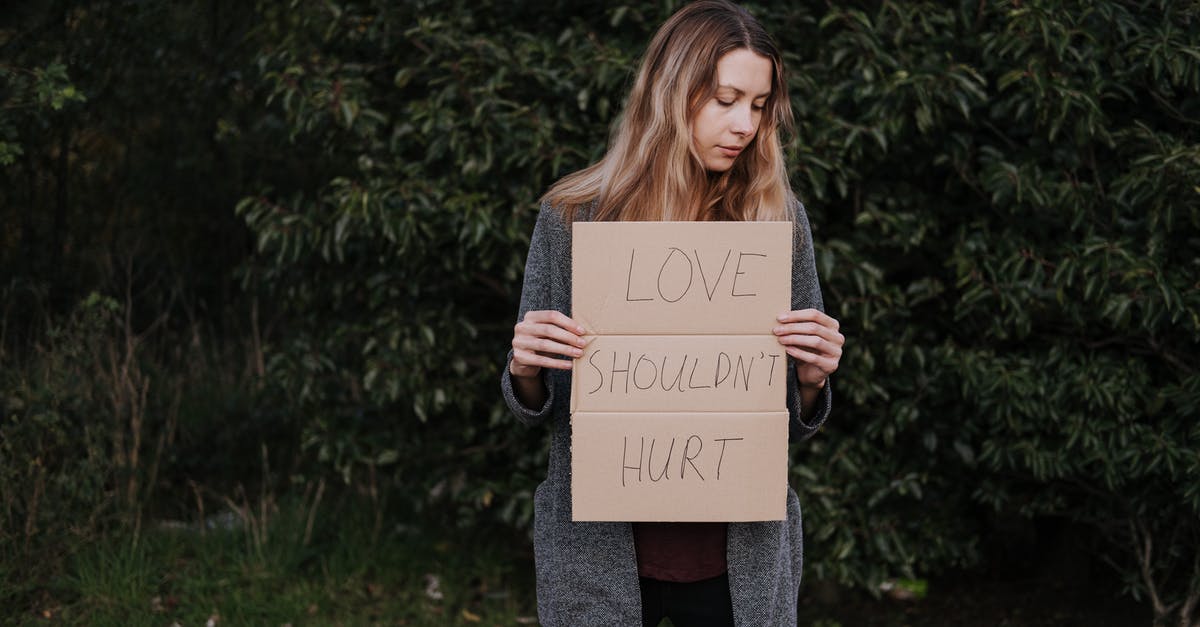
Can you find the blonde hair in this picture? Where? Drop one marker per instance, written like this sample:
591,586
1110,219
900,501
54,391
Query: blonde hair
651,170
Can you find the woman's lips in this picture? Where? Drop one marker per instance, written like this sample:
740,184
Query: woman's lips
730,151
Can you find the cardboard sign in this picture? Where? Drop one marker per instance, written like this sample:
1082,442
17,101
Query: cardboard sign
680,278
678,403
678,466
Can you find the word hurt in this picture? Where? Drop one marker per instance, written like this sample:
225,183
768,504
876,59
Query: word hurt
690,450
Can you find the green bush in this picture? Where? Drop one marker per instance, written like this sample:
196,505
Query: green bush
107,428
403,267
1008,226
56,469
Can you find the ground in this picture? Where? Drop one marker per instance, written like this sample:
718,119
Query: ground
280,572
972,599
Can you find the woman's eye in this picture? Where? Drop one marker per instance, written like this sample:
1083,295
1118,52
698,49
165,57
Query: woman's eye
724,103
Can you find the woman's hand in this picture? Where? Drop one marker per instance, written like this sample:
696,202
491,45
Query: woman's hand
540,338
812,338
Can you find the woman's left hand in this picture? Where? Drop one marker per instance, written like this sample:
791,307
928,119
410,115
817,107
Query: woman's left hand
812,338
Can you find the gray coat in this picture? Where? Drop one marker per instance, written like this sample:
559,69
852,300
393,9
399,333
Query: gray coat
587,571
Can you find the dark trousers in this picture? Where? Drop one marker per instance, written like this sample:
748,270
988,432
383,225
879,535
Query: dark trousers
697,604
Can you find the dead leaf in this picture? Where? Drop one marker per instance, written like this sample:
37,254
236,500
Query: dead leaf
433,587
469,617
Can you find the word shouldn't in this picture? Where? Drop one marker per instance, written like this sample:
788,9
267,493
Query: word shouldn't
689,452
691,372
678,274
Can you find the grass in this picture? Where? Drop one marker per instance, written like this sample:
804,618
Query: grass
408,576
272,568
428,575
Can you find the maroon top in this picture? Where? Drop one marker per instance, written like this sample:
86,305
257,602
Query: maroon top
682,552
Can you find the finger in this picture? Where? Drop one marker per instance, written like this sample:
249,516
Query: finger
811,328
545,346
557,318
810,315
529,358
803,349
807,357
826,365
553,332
536,330
814,343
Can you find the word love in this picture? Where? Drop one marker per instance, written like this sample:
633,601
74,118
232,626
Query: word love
689,451
679,272
666,371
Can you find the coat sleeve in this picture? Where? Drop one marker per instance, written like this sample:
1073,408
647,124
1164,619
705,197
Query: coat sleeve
535,295
806,293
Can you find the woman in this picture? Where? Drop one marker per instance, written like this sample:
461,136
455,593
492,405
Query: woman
698,140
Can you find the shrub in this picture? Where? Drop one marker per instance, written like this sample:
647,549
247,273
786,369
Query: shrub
442,124
1008,224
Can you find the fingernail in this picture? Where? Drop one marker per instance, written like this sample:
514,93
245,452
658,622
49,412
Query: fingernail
781,317
777,330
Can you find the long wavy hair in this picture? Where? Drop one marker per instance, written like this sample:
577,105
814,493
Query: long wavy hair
652,170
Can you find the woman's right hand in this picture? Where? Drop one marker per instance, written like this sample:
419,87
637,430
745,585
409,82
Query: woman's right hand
540,338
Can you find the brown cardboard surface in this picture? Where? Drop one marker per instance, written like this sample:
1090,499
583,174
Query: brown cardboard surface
678,466
642,373
677,278
682,379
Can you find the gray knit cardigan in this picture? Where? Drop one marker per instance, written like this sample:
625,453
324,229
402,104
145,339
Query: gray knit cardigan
587,571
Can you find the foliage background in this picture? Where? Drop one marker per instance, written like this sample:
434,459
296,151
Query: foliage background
281,244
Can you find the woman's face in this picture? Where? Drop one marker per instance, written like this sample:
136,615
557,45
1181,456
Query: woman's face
727,123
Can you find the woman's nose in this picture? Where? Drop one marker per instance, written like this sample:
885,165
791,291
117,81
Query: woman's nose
743,121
